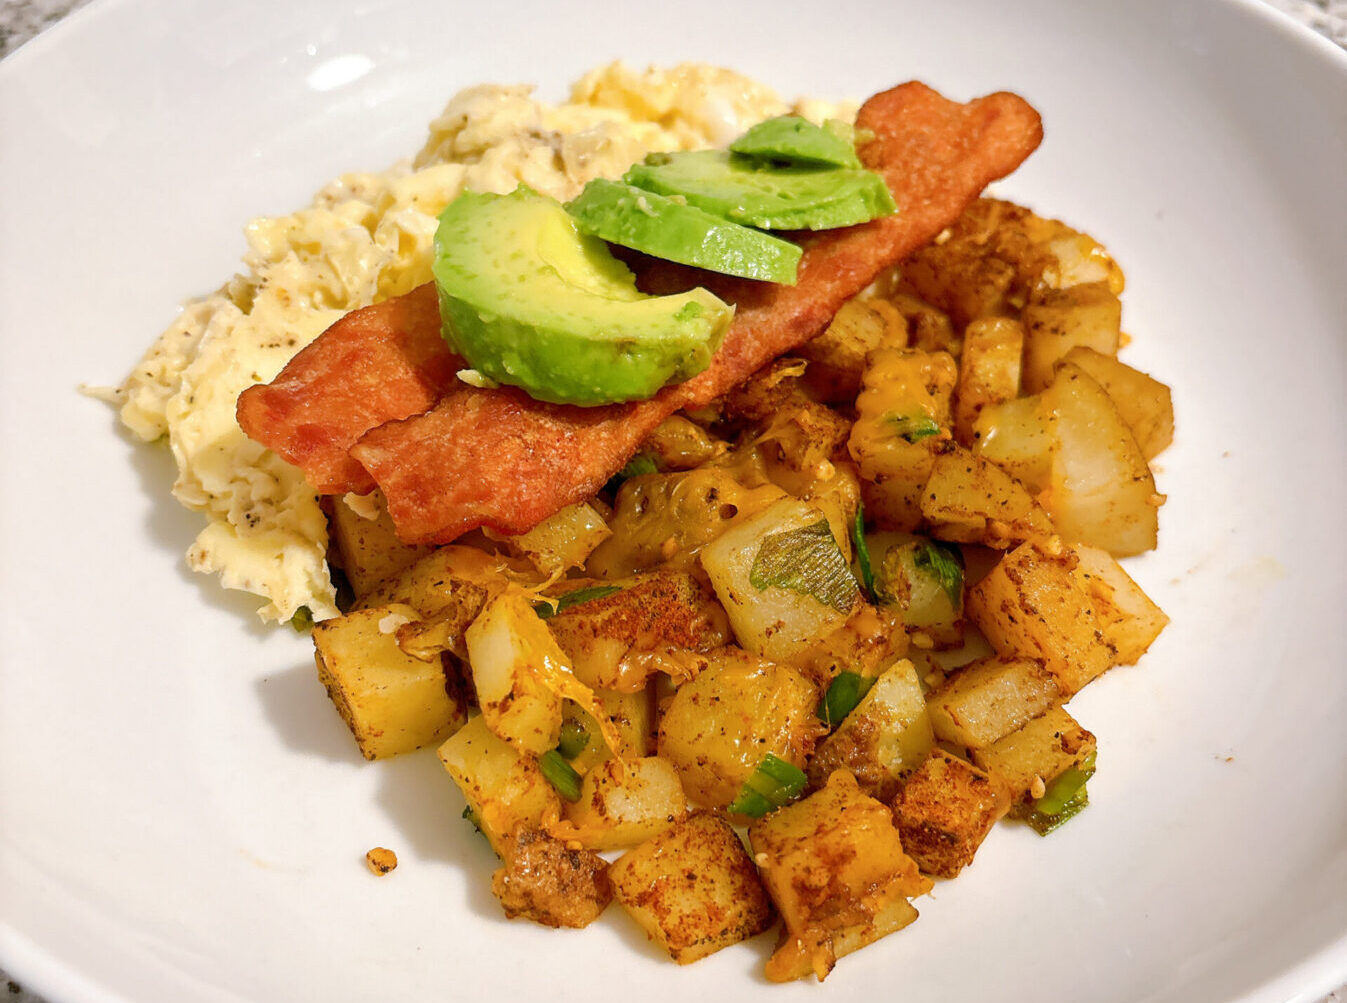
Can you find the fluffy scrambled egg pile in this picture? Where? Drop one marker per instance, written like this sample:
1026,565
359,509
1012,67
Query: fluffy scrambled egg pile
366,238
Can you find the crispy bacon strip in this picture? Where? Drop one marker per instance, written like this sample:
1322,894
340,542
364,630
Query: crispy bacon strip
374,365
500,459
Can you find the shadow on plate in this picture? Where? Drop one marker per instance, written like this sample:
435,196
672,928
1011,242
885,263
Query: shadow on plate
297,707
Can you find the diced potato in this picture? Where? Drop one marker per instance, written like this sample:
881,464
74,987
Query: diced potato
836,357
366,544
922,580
945,811
1032,605
901,414
562,541
836,492
693,888
1144,403
969,499
1127,617
989,370
835,867
447,588
621,806
550,883
985,700
1100,491
633,718
885,737
678,444
718,727
505,789
668,518
392,702
1037,754
1016,435
604,638
929,329
511,652
870,641
1059,320
782,579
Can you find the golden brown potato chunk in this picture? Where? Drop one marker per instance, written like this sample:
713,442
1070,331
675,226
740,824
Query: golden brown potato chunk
693,889
835,867
1144,403
969,499
1037,754
366,544
542,880
719,726
1128,618
945,811
622,804
836,357
392,703
986,700
989,370
1031,605
1058,320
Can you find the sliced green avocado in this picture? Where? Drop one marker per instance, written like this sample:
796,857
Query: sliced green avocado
759,193
673,230
799,140
530,301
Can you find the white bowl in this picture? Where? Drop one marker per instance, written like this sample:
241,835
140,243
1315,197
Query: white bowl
182,815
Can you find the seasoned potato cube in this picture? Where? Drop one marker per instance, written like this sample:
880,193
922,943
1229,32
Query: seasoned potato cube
835,867
929,329
969,499
505,789
870,641
922,580
1144,403
544,880
1016,436
693,889
1100,491
836,357
1037,754
604,637
1127,617
902,412
447,588
782,579
561,541
985,700
1058,320
678,444
668,518
885,737
391,702
718,727
511,653
989,370
945,811
367,546
622,805
1031,605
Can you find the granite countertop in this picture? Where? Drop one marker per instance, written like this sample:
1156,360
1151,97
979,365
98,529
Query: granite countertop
20,20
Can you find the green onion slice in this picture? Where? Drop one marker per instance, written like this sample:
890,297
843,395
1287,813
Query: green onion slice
1064,799
773,784
844,693
548,608
808,561
914,428
943,563
302,621
574,739
560,774
863,552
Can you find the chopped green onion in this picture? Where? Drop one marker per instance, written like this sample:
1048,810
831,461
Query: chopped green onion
844,693
773,784
548,608
943,563
1064,799
573,739
914,428
560,774
808,561
471,816
863,552
641,463
302,621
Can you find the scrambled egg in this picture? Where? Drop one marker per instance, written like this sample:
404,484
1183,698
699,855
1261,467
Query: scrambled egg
366,238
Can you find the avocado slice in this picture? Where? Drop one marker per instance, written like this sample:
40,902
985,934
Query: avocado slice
759,193
673,230
530,301
798,140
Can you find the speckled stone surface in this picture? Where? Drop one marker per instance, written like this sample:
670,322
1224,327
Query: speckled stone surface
20,20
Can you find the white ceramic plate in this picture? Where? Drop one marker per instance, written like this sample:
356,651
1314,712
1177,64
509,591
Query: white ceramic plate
182,815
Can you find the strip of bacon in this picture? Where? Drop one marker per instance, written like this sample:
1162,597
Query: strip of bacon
499,459
374,365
